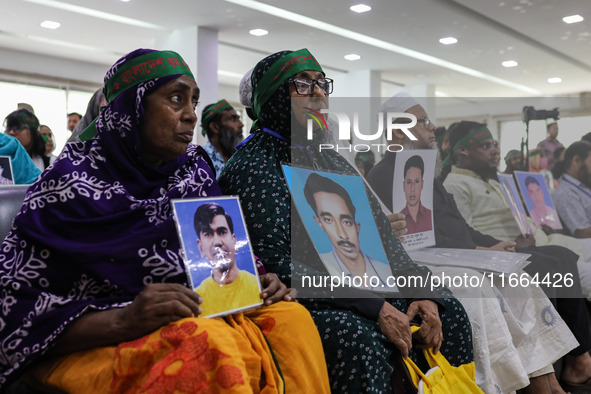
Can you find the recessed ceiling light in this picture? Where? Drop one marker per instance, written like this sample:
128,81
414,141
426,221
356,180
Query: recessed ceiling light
352,56
125,1
375,42
259,32
50,25
554,80
95,13
448,40
509,63
573,19
359,8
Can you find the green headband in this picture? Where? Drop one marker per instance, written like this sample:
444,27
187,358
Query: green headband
474,137
212,111
28,119
144,68
284,68
536,151
139,69
511,154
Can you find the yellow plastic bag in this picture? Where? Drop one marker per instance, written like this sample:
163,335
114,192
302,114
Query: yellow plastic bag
442,377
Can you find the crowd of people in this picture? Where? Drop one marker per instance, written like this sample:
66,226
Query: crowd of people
95,295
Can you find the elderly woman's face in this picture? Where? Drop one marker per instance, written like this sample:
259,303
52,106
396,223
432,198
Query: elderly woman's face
169,120
304,102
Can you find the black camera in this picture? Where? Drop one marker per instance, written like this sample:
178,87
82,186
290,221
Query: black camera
529,113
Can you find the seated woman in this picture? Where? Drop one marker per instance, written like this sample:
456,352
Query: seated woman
95,295
361,335
24,126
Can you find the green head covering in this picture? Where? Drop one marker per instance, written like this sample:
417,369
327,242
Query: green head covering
27,118
511,154
130,71
537,151
284,68
474,137
144,68
211,111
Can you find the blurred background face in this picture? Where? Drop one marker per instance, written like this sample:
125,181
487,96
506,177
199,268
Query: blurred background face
553,130
49,146
72,122
413,186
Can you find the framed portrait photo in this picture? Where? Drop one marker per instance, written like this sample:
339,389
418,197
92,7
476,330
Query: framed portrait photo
218,256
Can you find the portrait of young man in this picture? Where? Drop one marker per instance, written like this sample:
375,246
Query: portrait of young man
335,214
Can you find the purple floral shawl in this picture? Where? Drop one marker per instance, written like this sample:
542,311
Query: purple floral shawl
93,231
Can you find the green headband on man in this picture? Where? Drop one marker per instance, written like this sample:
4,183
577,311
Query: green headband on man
140,69
474,137
282,69
212,111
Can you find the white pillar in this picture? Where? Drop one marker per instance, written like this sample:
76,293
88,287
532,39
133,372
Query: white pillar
199,48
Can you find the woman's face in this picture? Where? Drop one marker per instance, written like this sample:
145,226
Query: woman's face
23,134
169,120
46,131
317,100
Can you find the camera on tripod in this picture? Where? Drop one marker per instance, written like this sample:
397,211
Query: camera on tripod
529,113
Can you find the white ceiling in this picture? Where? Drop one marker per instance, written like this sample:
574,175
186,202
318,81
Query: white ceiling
488,31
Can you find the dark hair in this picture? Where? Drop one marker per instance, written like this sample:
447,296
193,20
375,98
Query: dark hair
204,216
530,179
579,148
37,142
415,161
217,119
459,130
550,124
558,152
76,114
317,183
586,137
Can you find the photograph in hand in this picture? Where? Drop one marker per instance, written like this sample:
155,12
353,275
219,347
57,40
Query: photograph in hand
218,256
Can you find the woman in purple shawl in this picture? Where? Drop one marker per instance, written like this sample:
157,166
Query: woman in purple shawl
94,294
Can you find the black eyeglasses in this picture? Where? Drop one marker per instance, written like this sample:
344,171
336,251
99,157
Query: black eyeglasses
306,86
15,129
426,121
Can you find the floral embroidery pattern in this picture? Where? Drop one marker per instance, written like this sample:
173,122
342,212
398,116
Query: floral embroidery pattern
175,359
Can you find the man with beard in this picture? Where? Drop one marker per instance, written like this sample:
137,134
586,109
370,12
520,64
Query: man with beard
496,371
228,287
572,198
513,160
223,127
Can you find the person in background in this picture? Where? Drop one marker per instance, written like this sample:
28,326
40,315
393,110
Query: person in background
550,144
73,119
24,171
558,168
222,125
24,126
47,136
572,197
497,320
442,139
92,111
513,162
